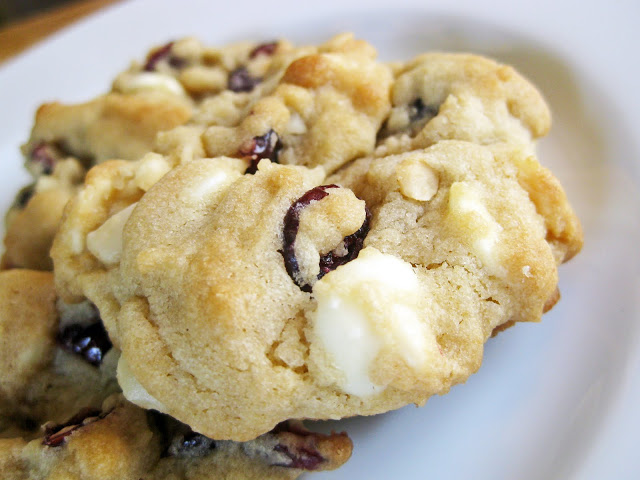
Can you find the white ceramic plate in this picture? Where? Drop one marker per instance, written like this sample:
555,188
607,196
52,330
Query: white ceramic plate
552,400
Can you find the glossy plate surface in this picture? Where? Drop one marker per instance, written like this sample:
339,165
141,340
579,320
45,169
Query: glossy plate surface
552,400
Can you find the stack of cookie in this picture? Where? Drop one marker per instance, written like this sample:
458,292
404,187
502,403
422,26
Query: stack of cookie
260,234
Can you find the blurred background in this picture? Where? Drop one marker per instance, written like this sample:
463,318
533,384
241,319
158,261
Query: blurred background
23,23
12,10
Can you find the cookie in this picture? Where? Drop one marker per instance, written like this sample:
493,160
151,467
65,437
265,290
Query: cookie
108,193
272,103
94,443
65,141
33,219
114,125
54,358
312,106
121,441
326,110
454,96
57,368
221,82
232,295
225,82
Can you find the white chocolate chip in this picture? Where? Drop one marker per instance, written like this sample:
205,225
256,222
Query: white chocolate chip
398,119
364,306
136,82
417,180
410,335
348,337
296,125
76,242
105,243
207,187
476,225
133,389
152,167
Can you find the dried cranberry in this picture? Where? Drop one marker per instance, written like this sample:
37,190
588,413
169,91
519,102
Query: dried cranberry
163,53
190,444
298,447
265,146
419,114
55,435
177,62
241,81
24,195
45,155
178,439
264,49
300,457
418,110
352,243
91,342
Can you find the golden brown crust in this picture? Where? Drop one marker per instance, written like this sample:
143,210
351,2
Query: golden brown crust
564,231
31,230
34,218
122,441
114,125
28,322
456,96
198,257
548,305
40,380
194,274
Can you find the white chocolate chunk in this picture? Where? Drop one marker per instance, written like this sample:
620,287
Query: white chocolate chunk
133,389
477,226
349,338
410,335
105,243
398,119
205,188
136,82
77,242
365,306
152,167
202,191
296,125
417,180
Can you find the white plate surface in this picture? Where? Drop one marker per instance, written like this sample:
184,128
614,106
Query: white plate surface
552,400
